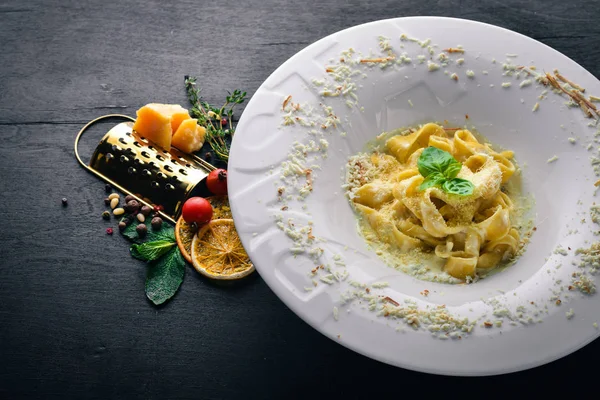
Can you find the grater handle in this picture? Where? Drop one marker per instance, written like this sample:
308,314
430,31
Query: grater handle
102,176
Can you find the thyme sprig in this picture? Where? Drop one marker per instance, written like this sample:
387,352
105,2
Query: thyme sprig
217,121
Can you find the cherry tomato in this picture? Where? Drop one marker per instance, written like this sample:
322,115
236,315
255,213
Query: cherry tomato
198,210
217,181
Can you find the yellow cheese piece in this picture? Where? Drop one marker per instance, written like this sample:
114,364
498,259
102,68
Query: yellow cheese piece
155,122
189,136
177,118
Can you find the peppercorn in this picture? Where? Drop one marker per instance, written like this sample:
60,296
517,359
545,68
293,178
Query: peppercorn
109,231
145,210
208,156
122,226
107,188
132,206
141,230
107,201
64,201
128,198
156,223
106,215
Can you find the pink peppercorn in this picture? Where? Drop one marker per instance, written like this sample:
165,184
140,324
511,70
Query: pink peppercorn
109,231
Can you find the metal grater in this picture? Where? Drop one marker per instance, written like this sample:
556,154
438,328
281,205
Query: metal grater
137,167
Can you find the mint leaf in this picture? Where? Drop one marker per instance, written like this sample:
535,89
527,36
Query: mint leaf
435,179
433,160
165,276
150,251
166,232
458,186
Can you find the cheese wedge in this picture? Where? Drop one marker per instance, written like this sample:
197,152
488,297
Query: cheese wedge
155,122
177,118
189,136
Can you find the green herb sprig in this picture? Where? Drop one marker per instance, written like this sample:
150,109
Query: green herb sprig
212,117
440,169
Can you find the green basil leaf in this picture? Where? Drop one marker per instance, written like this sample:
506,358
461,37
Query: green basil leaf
150,251
165,276
435,179
452,170
433,160
458,186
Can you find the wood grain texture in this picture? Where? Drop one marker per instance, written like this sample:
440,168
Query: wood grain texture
74,320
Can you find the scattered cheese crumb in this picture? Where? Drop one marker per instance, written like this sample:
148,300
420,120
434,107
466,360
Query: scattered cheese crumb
460,61
470,73
525,83
410,102
506,84
431,66
572,140
454,76
380,285
536,106
569,314
595,325
560,250
484,72
336,313
552,159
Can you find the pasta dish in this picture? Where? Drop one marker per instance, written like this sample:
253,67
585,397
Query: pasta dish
437,192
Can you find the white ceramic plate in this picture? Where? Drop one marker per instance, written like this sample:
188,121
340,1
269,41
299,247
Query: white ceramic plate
563,191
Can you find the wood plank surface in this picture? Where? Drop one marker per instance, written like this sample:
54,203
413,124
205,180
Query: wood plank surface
74,319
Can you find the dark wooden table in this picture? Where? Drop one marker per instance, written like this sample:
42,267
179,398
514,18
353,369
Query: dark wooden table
74,319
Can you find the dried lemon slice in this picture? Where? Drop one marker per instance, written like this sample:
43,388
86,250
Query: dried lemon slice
184,232
217,251
220,205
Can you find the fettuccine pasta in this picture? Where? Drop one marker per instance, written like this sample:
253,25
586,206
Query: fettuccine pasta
467,233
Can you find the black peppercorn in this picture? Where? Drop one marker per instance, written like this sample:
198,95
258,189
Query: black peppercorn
132,206
141,230
145,210
156,223
107,188
64,201
106,215
107,201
